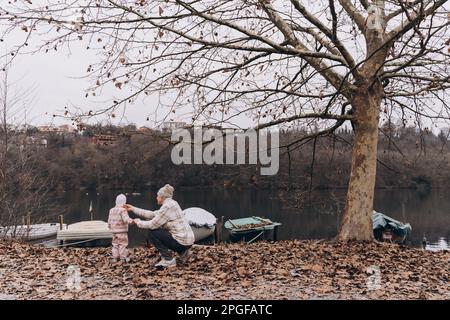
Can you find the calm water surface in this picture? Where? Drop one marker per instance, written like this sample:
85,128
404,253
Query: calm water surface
428,214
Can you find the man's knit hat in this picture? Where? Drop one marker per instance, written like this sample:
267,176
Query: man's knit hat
166,191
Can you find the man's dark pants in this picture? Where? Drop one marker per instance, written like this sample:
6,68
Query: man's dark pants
164,242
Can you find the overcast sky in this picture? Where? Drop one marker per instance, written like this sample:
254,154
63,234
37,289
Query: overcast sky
58,82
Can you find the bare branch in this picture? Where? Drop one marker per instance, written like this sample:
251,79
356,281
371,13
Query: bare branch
353,12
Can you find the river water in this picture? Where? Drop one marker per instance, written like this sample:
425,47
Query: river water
428,214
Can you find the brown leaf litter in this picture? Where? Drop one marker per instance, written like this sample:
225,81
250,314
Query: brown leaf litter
263,270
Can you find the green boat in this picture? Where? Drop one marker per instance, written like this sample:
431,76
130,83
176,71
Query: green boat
386,229
252,229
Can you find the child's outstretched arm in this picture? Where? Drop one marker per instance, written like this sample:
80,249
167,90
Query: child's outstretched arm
125,217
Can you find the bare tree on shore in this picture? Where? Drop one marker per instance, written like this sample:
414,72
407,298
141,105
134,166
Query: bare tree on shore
320,63
24,191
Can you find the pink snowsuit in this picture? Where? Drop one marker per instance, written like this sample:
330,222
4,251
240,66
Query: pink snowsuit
118,222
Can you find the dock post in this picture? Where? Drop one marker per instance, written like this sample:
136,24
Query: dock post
28,225
218,231
61,222
275,233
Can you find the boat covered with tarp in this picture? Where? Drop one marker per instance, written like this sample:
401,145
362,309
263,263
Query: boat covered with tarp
202,222
387,229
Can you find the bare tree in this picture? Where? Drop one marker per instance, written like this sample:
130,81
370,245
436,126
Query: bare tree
275,62
24,191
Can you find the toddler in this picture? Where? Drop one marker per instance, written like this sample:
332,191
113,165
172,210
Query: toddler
118,222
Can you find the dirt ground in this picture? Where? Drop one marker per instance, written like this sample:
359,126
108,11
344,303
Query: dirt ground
281,270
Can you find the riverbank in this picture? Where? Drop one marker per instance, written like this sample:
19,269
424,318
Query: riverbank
282,270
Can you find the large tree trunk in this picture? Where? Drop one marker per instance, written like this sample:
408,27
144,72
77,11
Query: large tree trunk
366,101
357,221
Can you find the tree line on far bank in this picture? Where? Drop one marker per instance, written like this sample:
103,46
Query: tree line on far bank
407,158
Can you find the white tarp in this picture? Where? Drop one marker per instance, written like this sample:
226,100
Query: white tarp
200,217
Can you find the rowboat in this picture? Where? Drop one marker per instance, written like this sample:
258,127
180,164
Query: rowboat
202,222
30,232
92,232
251,229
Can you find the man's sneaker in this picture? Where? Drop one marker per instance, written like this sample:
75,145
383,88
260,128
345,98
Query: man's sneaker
166,263
184,256
114,260
126,260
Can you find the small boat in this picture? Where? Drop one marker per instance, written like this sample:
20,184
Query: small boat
387,229
30,232
203,223
251,229
87,232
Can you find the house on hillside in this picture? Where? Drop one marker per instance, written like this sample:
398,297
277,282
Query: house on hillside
61,130
67,129
104,140
32,141
145,129
48,129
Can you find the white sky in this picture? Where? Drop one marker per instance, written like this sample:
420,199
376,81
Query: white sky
57,79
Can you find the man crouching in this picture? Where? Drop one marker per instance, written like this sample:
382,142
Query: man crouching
169,229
